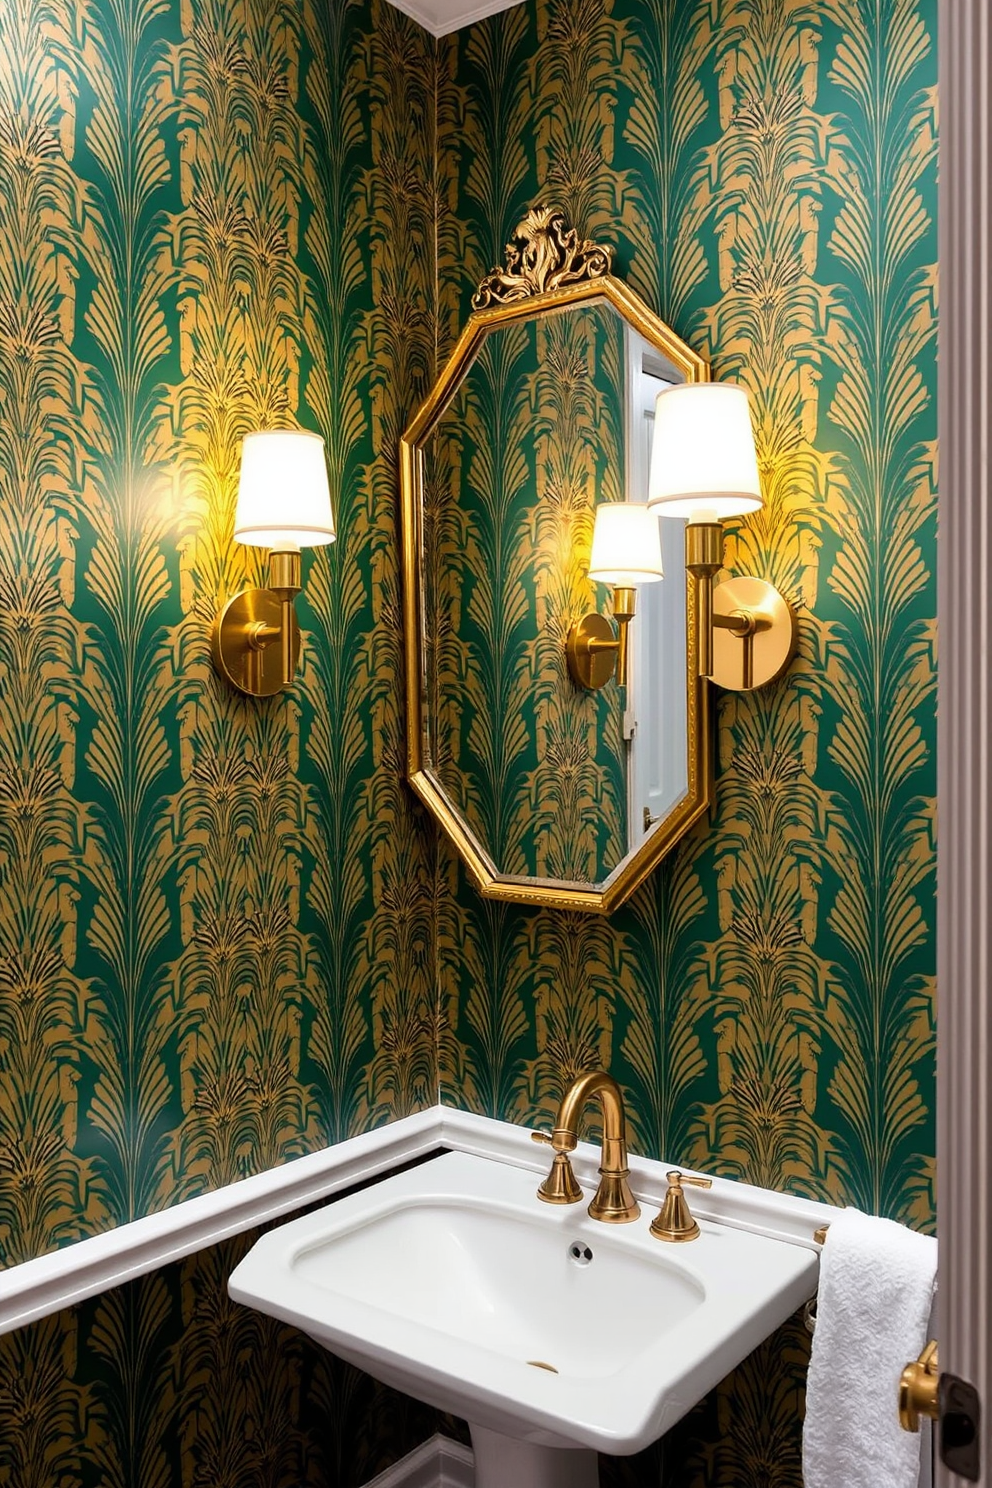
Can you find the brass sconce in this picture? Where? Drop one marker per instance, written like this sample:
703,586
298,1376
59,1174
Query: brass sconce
704,467
284,503
626,551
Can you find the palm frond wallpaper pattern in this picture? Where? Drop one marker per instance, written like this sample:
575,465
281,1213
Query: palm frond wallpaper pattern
215,915
223,927
167,1383
784,955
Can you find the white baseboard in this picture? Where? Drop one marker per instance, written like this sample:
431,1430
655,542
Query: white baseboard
439,1463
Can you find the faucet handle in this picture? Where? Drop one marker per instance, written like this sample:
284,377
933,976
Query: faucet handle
674,1222
561,1139
561,1185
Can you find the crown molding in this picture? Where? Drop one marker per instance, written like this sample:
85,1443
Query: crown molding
441,17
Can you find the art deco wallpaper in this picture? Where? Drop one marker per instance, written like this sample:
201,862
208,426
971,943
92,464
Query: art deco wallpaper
215,915
767,998
215,923
226,935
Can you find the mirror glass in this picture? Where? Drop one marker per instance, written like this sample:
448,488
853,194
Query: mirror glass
552,793
553,417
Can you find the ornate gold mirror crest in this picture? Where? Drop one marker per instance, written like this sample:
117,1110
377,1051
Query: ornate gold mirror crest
553,794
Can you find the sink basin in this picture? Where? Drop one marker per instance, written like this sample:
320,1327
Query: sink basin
453,1282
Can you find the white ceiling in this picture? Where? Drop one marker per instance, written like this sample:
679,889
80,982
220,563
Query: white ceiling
441,16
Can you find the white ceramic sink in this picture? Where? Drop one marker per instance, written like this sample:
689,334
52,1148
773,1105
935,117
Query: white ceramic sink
453,1282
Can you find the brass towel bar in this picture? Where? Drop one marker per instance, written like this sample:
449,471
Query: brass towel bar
809,1311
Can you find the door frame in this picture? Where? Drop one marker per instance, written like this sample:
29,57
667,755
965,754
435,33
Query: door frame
964,721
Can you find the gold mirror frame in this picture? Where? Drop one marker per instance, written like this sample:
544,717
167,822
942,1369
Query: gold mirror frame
548,267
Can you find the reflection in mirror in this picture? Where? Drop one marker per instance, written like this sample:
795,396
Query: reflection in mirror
552,418
655,720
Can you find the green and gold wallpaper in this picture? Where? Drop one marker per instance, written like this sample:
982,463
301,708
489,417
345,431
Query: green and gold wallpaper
226,934
215,914
215,934
167,1383
767,998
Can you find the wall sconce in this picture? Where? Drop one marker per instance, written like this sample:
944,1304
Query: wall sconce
284,503
626,551
704,467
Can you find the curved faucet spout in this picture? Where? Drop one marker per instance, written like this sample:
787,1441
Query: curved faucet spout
614,1203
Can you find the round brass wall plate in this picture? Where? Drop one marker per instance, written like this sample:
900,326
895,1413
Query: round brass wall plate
589,668
773,645
257,672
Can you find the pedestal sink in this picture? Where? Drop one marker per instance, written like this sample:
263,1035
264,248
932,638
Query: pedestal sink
554,1335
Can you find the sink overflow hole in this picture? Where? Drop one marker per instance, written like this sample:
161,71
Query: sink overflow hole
540,1364
580,1253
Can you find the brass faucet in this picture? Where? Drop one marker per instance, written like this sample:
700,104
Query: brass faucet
614,1203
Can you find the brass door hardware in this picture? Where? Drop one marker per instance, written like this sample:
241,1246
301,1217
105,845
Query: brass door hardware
919,1389
613,1202
674,1222
952,1402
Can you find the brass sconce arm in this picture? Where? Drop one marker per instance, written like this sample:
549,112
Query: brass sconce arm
592,649
746,631
703,557
744,625
285,583
249,626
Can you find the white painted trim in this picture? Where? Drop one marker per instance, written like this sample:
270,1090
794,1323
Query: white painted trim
466,16
40,1287
438,1463
44,1286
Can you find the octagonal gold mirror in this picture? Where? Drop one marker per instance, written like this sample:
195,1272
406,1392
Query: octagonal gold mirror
553,792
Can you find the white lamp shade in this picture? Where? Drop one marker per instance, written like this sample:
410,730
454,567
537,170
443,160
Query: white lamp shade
703,461
626,545
284,500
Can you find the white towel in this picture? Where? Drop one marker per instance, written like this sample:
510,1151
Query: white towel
872,1311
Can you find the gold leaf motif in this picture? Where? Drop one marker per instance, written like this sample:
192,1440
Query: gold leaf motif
542,255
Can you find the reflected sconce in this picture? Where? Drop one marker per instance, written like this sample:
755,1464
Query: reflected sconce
626,551
284,504
704,467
